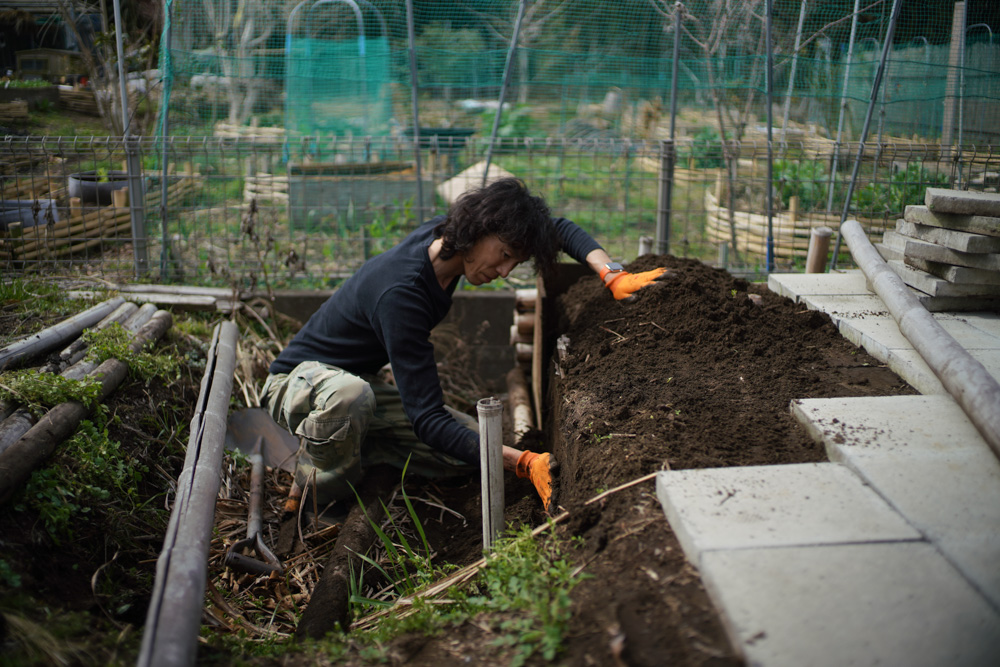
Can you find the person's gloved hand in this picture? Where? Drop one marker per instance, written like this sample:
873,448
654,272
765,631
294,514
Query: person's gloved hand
536,468
625,284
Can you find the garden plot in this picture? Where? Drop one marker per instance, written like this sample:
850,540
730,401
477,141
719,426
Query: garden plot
698,372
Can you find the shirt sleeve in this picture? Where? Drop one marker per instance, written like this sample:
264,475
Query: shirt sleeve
402,323
575,242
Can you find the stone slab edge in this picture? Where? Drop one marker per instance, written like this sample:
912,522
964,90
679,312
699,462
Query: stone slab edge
962,202
976,224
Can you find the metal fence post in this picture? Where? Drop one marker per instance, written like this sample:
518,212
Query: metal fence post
667,159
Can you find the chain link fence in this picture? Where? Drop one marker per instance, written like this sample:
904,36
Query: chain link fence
241,213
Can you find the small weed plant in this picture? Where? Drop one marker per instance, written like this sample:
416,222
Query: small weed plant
523,593
114,342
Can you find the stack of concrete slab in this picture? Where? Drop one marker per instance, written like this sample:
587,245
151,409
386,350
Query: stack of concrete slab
949,249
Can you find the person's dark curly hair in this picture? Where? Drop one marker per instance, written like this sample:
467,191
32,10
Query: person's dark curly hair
505,208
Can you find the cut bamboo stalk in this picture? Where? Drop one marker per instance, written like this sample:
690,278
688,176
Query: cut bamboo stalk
520,403
174,615
48,339
490,412
967,380
819,246
525,323
33,448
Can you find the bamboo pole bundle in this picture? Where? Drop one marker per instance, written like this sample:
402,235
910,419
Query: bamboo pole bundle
965,378
48,339
95,227
266,187
174,615
17,421
19,460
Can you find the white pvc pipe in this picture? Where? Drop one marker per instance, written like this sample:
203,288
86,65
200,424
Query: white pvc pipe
967,380
491,468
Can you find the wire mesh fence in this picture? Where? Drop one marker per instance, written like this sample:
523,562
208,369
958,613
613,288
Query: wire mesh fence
346,68
239,212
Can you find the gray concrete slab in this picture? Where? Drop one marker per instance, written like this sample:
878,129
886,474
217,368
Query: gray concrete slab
932,252
963,202
768,506
968,223
883,334
851,306
950,238
909,365
896,603
928,461
795,285
986,322
935,286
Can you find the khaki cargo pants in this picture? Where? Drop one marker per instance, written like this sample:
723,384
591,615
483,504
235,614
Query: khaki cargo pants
347,423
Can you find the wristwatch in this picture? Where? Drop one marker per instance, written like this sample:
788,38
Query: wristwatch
611,267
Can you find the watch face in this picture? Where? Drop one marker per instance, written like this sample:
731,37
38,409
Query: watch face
614,267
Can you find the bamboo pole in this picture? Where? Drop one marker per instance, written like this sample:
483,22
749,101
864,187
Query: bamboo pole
174,615
520,403
41,440
490,412
48,339
17,422
967,380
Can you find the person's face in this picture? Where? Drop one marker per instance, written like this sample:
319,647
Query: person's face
488,260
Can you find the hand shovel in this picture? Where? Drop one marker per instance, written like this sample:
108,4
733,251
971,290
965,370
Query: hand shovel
266,562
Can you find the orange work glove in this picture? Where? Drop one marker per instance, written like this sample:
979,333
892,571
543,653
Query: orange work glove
536,468
624,284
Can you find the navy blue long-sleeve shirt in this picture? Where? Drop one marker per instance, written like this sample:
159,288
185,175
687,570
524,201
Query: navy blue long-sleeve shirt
384,313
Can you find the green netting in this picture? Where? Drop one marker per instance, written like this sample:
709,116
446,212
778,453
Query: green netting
601,67
338,88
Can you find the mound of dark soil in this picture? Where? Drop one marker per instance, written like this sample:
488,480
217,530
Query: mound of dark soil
697,372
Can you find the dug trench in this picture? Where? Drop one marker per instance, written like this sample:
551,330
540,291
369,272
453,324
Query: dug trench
697,372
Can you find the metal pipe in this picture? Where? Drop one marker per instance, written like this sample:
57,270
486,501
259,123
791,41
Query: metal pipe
490,411
843,105
876,85
503,89
791,75
769,79
668,150
414,87
174,615
164,132
135,194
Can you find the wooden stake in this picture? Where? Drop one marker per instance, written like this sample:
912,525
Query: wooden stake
819,245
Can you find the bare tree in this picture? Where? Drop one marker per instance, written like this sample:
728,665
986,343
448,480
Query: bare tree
100,57
538,14
239,29
726,32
